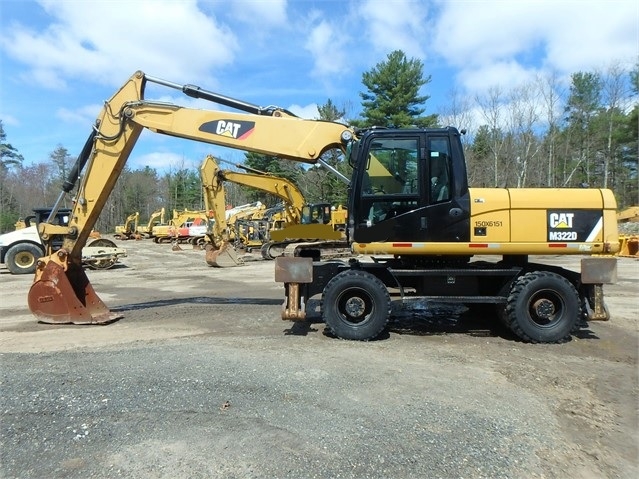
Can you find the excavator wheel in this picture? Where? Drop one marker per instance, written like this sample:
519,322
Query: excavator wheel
543,307
102,263
356,305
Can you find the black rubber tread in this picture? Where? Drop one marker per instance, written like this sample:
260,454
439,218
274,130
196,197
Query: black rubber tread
365,288
34,252
556,288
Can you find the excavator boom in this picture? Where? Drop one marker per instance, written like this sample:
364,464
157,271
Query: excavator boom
61,292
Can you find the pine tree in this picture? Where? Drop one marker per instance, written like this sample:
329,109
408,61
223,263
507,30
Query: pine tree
9,156
392,98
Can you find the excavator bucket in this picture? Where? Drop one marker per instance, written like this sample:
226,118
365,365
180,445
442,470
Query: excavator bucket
62,295
224,257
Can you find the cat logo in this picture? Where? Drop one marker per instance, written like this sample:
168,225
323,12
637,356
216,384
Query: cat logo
227,128
561,220
576,226
238,130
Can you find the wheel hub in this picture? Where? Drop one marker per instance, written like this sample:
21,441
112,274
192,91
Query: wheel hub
354,307
544,308
25,259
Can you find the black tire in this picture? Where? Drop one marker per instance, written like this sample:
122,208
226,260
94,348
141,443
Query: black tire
543,307
356,305
22,258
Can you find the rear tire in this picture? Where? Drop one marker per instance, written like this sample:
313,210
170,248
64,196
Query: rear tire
356,305
542,307
22,258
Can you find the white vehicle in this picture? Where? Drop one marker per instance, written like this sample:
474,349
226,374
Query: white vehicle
21,249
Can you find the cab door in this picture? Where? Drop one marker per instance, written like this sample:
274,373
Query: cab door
447,211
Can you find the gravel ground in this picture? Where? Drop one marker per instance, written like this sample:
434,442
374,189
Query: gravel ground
201,379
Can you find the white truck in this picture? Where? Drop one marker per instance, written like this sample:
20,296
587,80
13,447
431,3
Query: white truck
21,249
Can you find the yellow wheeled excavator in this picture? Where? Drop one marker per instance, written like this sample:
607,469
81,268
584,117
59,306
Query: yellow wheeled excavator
411,216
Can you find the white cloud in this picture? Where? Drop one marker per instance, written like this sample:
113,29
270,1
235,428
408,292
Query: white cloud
85,115
104,42
396,25
504,73
9,120
589,38
159,160
308,112
328,47
509,42
260,14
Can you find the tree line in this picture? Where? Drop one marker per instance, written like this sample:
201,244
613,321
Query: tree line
534,135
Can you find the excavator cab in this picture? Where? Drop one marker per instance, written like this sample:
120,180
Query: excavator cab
318,213
409,185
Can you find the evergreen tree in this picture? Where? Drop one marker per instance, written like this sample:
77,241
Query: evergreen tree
61,158
392,98
8,154
627,190
581,109
9,157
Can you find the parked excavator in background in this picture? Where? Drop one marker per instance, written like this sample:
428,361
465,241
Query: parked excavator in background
129,230
411,216
161,231
300,224
628,220
177,230
156,219
240,222
220,251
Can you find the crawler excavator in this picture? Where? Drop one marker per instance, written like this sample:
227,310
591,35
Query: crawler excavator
178,229
305,226
129,230
156,219
411,216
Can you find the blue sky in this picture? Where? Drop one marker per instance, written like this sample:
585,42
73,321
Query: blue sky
60,59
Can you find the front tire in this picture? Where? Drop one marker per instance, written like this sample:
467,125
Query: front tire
356,305
22,258
542,307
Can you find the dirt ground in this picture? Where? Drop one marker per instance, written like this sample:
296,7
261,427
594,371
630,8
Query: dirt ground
201,378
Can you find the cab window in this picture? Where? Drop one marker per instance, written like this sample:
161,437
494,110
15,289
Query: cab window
390,186
392,167
439,170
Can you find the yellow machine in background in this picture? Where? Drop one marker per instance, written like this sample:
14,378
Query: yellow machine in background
129,229
629,232
298,221
177,230
156,219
